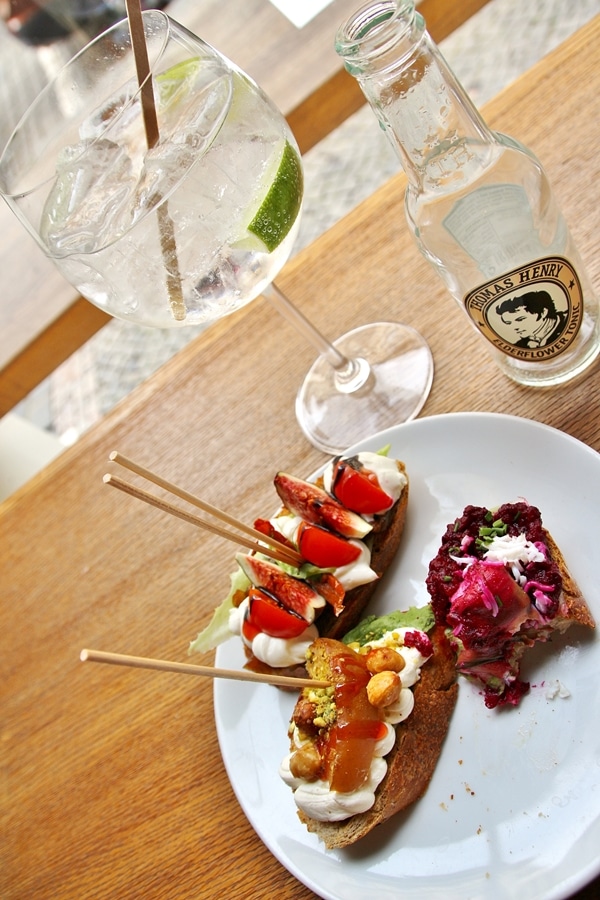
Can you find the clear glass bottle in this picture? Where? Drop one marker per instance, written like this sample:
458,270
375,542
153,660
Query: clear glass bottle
479,203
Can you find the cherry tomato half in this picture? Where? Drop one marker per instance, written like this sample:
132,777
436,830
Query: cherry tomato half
324,549
268,614
359,490
249,631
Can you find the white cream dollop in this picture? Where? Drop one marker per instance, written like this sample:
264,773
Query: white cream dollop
275,652
390,478
281,652
400,710
317,800
357,572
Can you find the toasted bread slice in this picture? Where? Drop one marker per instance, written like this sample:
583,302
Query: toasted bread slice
495,612
412,760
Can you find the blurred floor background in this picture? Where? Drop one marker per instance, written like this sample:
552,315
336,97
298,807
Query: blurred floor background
504,39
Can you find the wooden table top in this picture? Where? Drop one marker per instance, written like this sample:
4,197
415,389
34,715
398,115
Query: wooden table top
42,319
114,781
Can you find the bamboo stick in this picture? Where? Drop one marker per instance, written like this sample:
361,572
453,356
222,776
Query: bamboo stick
163,665
138,469
287,557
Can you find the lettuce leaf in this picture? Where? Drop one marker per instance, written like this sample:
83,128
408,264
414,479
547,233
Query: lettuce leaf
217,631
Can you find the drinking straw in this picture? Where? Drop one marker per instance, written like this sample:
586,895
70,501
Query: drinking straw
142,66
165,223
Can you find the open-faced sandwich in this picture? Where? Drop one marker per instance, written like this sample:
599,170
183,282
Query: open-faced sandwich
366,747
499,584
346,527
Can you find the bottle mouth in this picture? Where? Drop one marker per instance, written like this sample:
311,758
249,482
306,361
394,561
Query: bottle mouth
373,30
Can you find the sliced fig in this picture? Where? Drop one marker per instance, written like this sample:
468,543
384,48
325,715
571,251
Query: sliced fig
316,506
294,593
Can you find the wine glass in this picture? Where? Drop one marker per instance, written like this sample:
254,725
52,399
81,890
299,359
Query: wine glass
172,196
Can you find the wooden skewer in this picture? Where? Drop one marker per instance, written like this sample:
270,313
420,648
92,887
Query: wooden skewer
294,557
165,506
163,665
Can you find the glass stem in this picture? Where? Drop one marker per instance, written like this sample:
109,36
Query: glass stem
350,374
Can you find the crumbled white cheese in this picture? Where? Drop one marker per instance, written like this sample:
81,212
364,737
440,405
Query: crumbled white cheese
511,549
557,689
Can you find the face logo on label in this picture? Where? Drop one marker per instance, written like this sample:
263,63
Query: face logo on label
532,313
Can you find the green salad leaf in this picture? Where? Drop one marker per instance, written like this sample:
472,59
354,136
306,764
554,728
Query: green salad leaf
217,631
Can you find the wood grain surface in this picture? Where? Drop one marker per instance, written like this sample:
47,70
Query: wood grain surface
113,785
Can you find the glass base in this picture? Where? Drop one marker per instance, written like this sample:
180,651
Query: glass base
392,376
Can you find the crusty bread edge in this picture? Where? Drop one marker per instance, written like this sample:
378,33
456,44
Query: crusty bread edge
412,760
573,608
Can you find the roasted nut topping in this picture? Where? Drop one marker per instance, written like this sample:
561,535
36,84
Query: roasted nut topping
306,762
304,714
383,689
384,659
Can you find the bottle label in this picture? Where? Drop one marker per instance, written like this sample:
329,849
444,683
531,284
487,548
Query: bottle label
494,241
532,313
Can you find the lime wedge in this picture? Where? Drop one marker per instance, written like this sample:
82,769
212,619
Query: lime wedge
279,210
176,79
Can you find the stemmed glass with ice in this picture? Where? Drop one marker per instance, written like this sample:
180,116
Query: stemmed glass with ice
187,225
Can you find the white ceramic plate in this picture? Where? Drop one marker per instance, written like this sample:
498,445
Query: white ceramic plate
513,809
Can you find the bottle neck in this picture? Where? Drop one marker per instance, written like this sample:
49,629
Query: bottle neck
431,122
